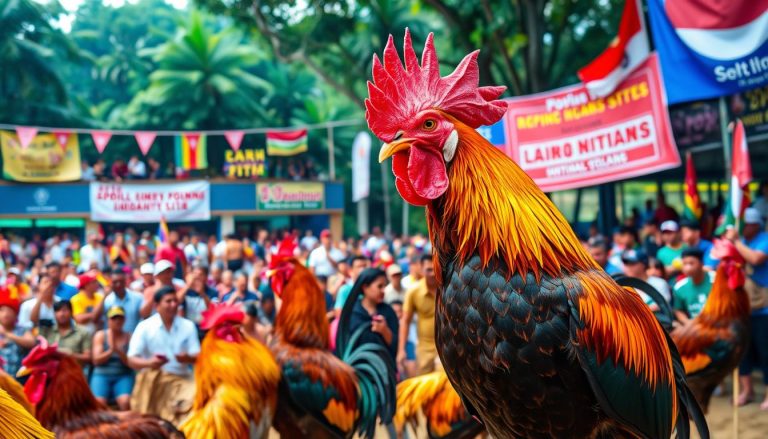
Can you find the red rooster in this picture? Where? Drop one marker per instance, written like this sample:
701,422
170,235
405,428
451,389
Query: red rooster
322,395
536,338
65,405
236,378
712,344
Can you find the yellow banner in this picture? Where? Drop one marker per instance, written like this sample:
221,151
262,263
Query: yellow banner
44,160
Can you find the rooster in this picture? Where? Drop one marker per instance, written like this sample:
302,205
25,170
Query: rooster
236,379
14,389
536,338
17,422
65,405
712,344
434,397
320,394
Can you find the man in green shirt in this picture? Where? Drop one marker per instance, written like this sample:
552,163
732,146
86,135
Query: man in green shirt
670,254
72,339
692,291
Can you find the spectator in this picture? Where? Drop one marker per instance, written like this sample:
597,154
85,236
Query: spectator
309,241
227,284
61,289
324,260
268,309
651,238
420,302
240,294
196,251
394,292
310,171
112,378
636,265
414,271
119,170
137,170
358,264
85,304
322,281
130,302
72,339
626,239
369,310
690,233
163,276
670,253
86,171
147,279
155,169
761,201
656,268
55,250
120,252
664,212
15,286
234,253
93,253
648,213
598,248
171,252
753,247
163,348
692,291
100,170
15,340
196,296
39,310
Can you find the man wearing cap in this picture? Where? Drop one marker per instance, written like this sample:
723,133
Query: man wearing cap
85,304
147,271
394,291
635,264
130,302
112,378
753,247
692,291
15,340
72,339
324,259
170,252
669,254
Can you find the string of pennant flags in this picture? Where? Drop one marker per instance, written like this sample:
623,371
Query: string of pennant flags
280,141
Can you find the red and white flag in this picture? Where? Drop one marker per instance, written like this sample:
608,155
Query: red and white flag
627,51
100,139
145,140
235,138
741,171
63,138
26,134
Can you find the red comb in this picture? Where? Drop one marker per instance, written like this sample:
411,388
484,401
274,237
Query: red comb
39,352
218,314
726,250
397,93
285,250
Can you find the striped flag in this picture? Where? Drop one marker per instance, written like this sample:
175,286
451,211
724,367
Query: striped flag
191,151
162,231
741,176
692,199
285,143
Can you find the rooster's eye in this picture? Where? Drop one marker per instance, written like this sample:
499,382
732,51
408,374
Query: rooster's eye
429,125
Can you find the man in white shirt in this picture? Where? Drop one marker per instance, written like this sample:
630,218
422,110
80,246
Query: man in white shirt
324,259
196,252
309,241
91,253
136,168
40,308
394,291
163,348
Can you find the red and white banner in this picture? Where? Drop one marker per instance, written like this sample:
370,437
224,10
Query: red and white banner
148,203
565,140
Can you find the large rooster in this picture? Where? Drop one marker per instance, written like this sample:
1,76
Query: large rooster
712,344
14,389
17,422
320,394
537,339
433,397
65,405
236,379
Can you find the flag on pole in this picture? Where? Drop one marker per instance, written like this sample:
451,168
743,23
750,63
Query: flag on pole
741,176
285,143
191,151
692,199
627,51
162,232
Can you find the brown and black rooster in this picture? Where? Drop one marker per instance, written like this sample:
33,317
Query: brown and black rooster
65,405
713,343
322,395
536,338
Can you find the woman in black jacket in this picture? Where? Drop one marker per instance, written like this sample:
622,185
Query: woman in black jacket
369,309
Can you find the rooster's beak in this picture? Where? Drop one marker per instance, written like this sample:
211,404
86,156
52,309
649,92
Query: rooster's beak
22,372
389,149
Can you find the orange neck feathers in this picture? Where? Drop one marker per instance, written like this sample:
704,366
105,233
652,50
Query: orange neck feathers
301,320
494,209
723,303
67,396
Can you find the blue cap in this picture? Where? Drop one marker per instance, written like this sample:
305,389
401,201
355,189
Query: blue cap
634,256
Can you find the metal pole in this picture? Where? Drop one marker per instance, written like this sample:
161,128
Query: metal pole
385,186
331,155
406,219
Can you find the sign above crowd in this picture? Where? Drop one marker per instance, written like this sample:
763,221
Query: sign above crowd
244,163
148,203
40,158
290,196
565,140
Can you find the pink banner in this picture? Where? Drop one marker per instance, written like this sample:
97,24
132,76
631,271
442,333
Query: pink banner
26,134
100,139
235,138
62,137
145,140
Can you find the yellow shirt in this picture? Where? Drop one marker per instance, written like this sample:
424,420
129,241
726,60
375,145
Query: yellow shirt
82,304
421,302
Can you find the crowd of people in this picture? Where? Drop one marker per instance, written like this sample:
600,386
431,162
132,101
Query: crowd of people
129,307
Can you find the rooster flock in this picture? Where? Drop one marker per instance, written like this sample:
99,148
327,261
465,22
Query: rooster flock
536,340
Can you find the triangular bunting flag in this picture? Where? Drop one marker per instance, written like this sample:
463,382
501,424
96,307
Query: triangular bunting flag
26,134
235,138
63,138
100,139
145,140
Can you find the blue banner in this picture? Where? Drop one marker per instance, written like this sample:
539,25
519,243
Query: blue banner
710,48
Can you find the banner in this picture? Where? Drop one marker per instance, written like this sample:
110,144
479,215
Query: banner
361,167
695,123
752,108
149,203
710,48
244,163
43,160
565,140
290,196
